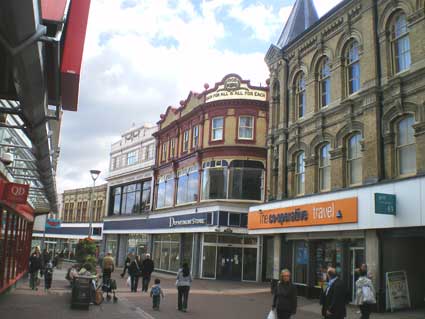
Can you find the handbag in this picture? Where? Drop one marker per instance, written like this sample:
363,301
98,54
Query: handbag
272,315
368,296
98,297
128,281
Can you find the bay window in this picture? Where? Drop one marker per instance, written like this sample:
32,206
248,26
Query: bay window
187,185
214,180
165,191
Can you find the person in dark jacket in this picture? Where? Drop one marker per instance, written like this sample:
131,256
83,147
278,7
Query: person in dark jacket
335,297
127,262
134,271
285,296
147,269
34,268
48,276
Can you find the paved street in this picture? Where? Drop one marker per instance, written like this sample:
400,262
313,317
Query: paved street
208,300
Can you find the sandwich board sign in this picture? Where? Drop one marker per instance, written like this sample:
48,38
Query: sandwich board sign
397,290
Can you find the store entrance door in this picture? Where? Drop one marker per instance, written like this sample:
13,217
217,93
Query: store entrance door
357,257
229,263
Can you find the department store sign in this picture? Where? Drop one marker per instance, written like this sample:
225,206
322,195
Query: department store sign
233,89
339,211
181,222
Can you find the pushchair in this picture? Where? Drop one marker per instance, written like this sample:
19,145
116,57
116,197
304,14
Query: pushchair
109,286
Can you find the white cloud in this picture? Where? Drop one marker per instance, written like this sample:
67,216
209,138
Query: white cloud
145,55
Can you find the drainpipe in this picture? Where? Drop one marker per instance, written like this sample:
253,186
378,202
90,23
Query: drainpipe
381,288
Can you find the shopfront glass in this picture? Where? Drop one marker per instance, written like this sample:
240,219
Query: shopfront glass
137,244
112,244
300,262
166,252
229,257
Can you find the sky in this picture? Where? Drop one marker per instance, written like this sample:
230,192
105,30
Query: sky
141,56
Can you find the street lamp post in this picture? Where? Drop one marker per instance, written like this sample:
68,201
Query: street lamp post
94,175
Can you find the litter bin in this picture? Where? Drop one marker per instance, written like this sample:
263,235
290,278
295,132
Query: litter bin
81,292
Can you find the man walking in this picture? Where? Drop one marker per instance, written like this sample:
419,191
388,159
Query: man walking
147,269
335,297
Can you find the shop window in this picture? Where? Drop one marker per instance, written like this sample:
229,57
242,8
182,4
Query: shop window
165,191
300,174
166,252
300,95
195,136
354,160
406,146
246,128
214,180
210,238
400,43
324,82
217,128
324,168
130,199
352,57
246,180
234,219
300,262
187,185
137,244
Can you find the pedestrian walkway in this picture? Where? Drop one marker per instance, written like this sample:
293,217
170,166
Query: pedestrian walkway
208,300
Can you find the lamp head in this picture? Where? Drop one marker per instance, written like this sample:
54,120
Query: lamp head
94,174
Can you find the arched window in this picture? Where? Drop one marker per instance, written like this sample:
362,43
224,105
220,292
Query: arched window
352,67
354,160
300,174
324,82
300,97
400,43
406,147
324,168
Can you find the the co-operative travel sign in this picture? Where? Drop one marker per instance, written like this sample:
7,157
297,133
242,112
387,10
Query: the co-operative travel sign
340,211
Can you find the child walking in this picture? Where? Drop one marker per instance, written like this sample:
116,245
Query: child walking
156,293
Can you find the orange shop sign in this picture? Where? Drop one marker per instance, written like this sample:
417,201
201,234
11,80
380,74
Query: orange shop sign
340,211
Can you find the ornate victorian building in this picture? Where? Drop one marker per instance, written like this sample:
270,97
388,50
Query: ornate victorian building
211,158
347,121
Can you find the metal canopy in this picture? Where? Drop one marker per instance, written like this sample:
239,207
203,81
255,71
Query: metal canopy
28,130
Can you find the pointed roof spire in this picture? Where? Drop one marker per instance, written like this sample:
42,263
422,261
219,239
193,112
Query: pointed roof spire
302,16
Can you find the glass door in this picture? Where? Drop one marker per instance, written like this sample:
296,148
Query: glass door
357,258
250,264
209,261
229,263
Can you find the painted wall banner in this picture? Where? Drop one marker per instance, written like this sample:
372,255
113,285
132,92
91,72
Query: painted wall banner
234,89
397,290
340,211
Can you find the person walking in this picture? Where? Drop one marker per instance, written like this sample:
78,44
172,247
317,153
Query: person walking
183,283
127,262
365,293
134,271
147,269
48,276
285,296
108,267
335,297
35,267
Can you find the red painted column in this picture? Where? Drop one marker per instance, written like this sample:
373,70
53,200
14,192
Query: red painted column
19,247
3,278
2,251
10,248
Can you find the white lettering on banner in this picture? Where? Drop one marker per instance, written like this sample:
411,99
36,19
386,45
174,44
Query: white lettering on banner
185,222
17,190
324,212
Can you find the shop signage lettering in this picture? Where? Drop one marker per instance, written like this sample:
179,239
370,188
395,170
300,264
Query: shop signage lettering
53,223
232,88
323,213
15,193
185,222
385,204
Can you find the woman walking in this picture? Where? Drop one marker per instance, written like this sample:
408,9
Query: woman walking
285,296
134,271
184,281
365,294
